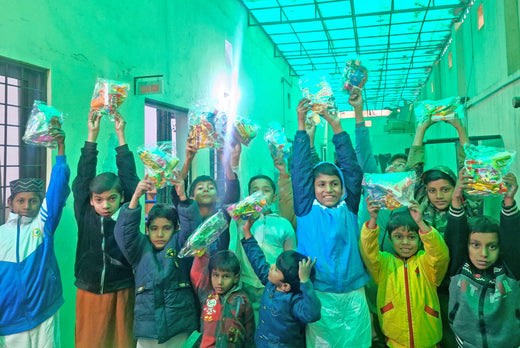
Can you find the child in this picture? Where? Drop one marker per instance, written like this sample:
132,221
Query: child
227,317
407,302
104,278
326,201
30,282
484,301
289,301
164,292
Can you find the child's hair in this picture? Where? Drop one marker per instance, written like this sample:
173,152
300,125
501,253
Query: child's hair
401,218
483,224
326,168
166,211
397,156
224,260
288,264
105,182
438,173
261,176
201,178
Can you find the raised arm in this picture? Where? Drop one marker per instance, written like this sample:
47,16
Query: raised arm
510,227
129,239
254,253
308,308
189,214
369,241
125,161
285,192
364,152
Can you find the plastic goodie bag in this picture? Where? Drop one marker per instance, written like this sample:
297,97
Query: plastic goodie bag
487,165
390,190
159,160
251,206
42,119
277,140
439,110
202,118
204,235
244,130
354,75
108,96
318,90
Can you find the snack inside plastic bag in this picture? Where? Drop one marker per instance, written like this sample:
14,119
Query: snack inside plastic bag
43,118
277,140
487,165
159,160
318,90
202,118
354,75
390,190
244,130
204,235
251,206
108,96
439,110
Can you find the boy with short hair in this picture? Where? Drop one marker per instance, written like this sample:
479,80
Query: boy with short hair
30,283
407,301
104,278
227,318
326,201
484,272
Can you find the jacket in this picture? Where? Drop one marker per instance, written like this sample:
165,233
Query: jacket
330,234
100,265
30,282
283,315
162,279
235,326
407,302
484,306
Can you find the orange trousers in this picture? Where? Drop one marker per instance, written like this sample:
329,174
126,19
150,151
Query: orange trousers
105,320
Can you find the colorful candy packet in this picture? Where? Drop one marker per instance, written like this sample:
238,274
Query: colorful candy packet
244,130
202,118
354,75
204,235
390,190
159,161
439,110
251,206
318,90
276,138
108,96
42,119
487,165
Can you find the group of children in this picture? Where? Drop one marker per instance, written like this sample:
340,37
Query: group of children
261,283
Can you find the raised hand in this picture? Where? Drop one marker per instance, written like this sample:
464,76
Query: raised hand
373,209
304,105
57,134
119,125
305,268
143,186
356,98
461,186
93,125
512,186
178,183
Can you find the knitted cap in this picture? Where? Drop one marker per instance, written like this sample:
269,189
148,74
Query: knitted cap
26,185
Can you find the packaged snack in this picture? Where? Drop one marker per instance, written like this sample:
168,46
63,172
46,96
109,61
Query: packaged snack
204,235
354,75
252,205
108,96
439,110
159,161
276,138
42,119
318,90
390,190
487,165
201,124
244,130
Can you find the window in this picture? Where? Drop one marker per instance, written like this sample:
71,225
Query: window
20,85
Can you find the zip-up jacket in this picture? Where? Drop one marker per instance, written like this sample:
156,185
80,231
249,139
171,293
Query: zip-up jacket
100,265
30,282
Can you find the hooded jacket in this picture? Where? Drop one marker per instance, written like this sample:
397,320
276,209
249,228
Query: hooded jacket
330,234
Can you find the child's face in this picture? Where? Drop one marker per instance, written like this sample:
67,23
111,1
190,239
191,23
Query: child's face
483,249
405,242
106,203
160,231
266,188
327,189
275,276
439,193
397,166
25,204
223,281
205,193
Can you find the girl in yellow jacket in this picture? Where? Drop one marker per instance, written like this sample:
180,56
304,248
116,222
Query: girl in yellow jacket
408,306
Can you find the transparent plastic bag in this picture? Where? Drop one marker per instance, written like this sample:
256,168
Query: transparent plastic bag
439,110
42,119
487,165
159,160
355,75
318,90
390,190
244,130
202,126
251,206
277,140
204,235
108,96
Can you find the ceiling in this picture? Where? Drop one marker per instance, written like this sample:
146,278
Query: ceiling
397,40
